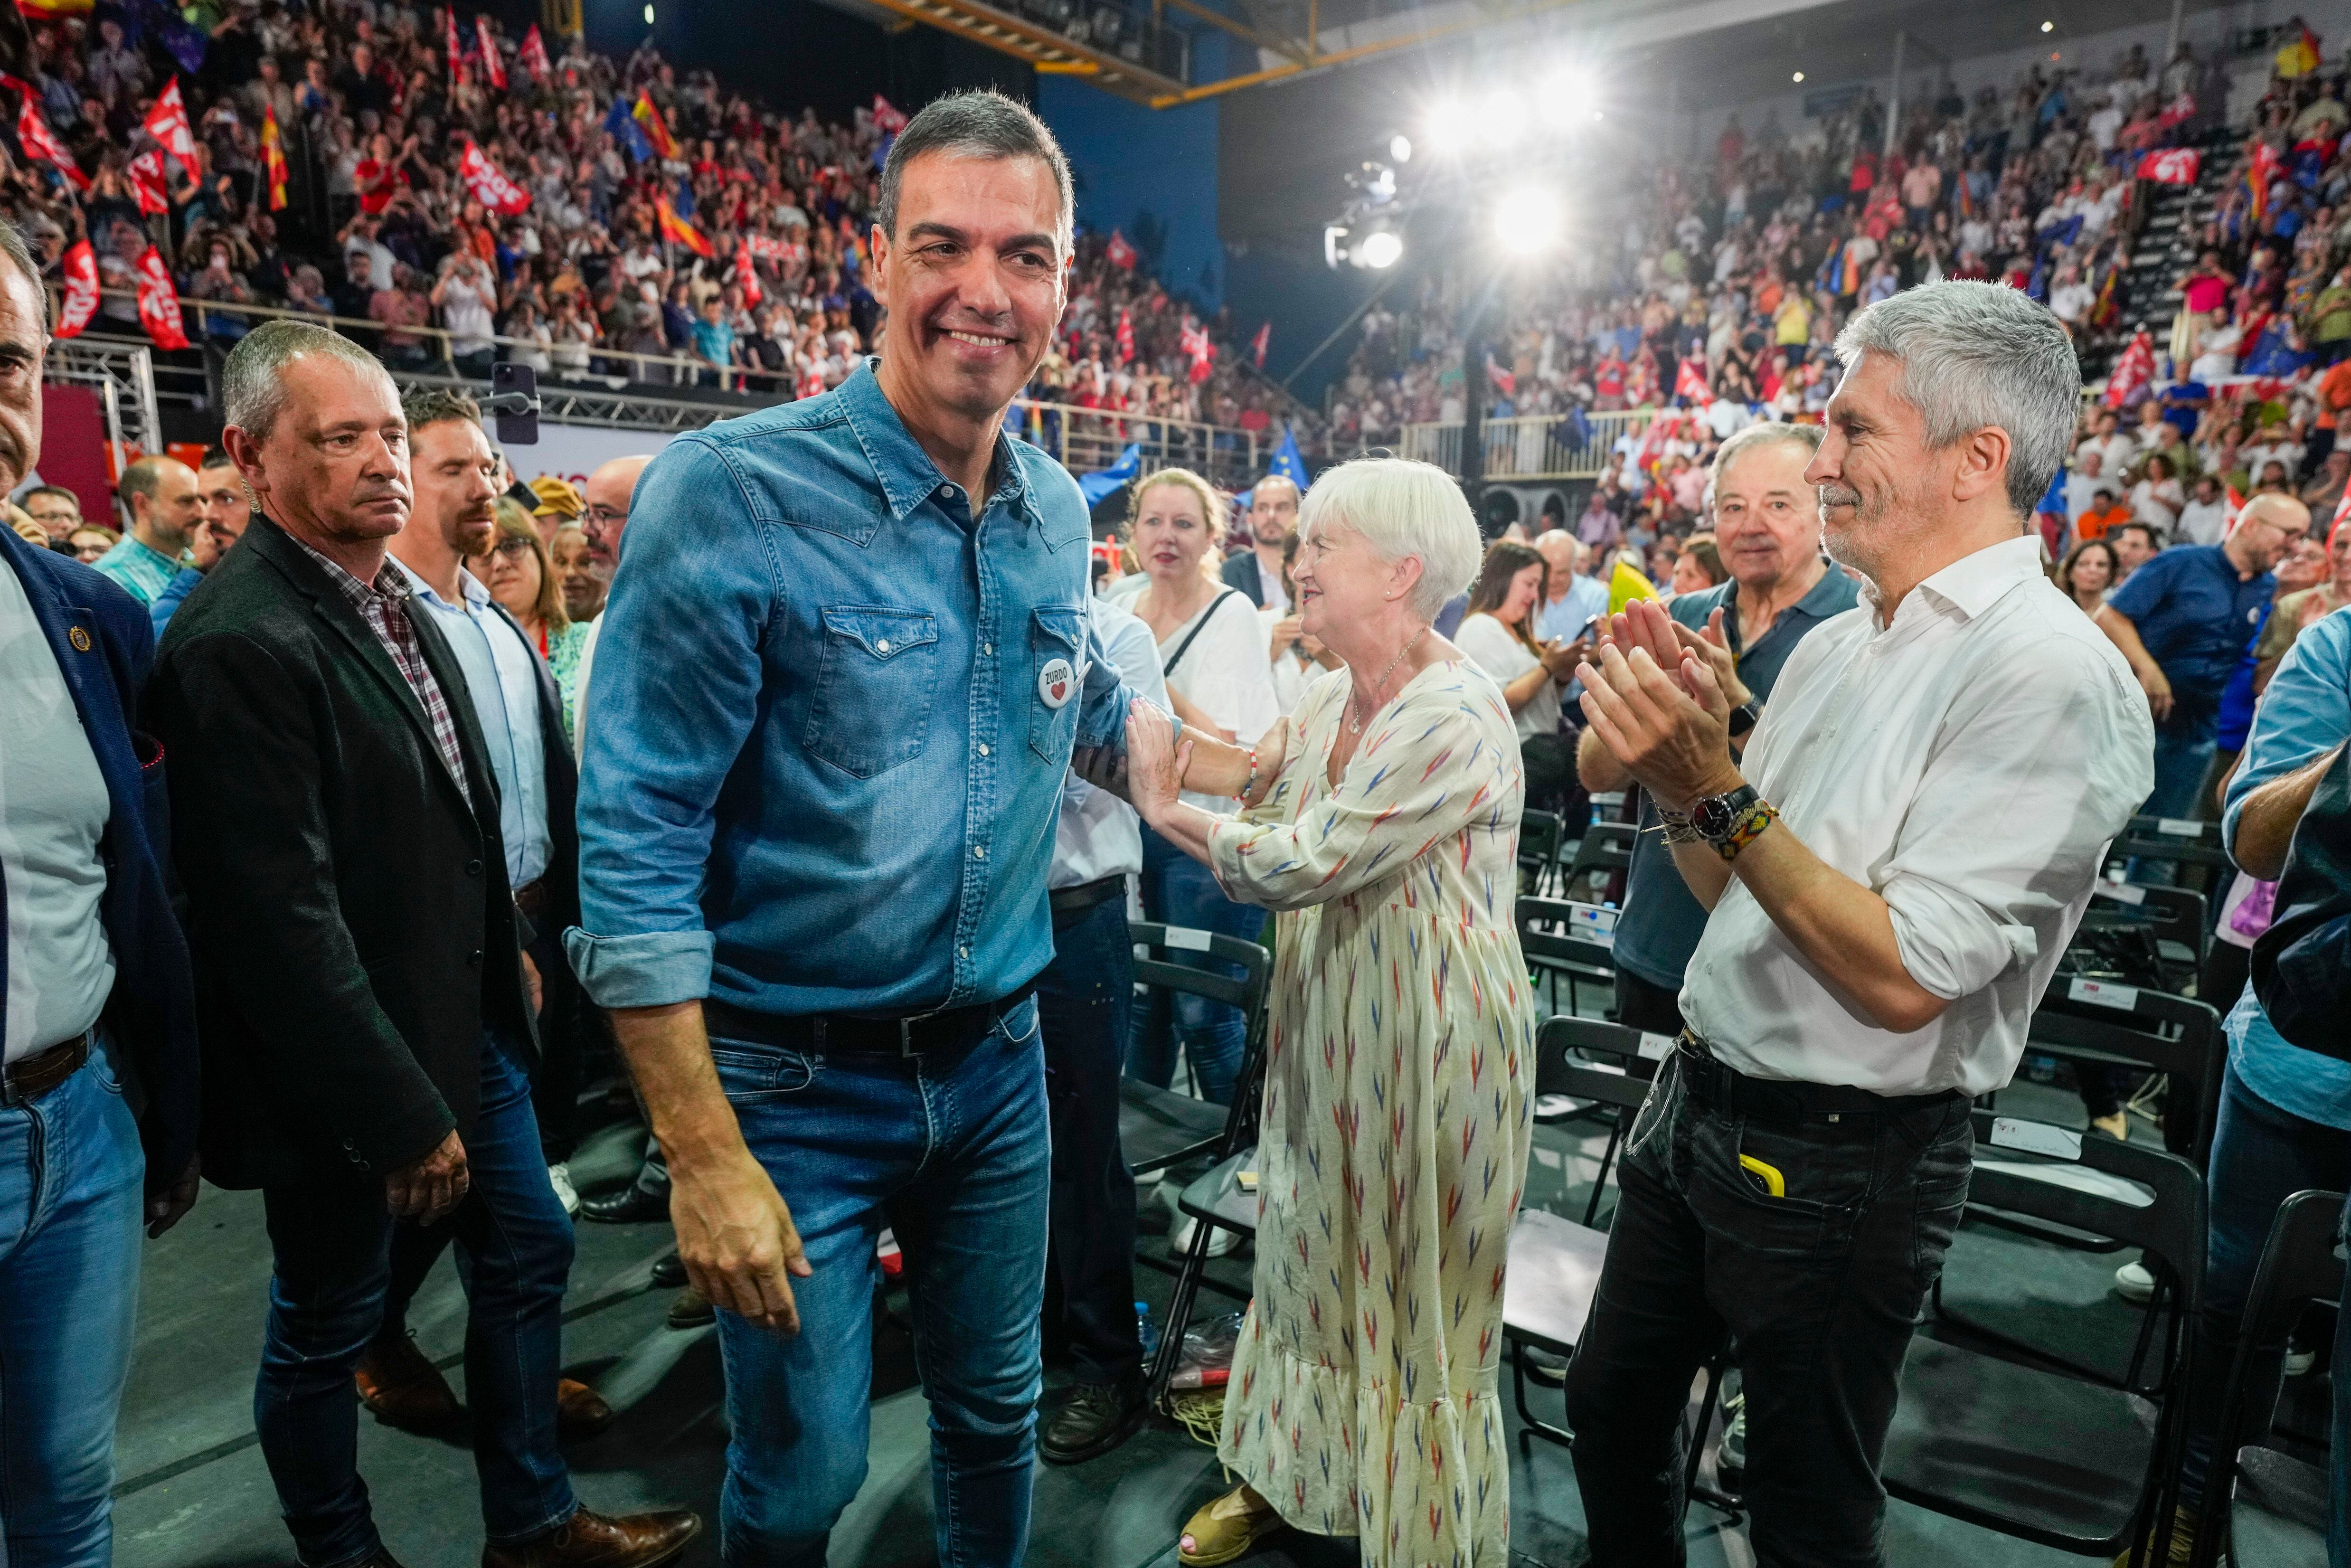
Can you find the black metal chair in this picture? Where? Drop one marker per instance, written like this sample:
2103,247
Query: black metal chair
1539,839
2178,918
2276,1503
2023,1448
2179,841
1561,941
1606,846
1160,1127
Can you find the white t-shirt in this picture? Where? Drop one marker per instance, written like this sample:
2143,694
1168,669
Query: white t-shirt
1500,655
1225,674
466,311
2202,522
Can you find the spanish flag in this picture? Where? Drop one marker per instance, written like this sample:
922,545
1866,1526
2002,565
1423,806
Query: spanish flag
273,158
677,230
656,132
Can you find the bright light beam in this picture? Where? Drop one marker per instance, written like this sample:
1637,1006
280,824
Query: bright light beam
1528,222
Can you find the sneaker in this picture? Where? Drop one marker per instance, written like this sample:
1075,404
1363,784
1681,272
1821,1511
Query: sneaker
559,1177
1221,1241
1543,1366
2134,1283
1095,1419
2299,1359
1731,1457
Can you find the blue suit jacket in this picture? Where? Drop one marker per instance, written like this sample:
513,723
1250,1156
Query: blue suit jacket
99,636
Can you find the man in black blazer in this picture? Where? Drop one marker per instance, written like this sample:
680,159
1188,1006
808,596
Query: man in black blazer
1272,517
365,1018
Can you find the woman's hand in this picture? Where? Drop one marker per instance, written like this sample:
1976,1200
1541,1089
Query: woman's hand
1273,747
1154,762
1285,633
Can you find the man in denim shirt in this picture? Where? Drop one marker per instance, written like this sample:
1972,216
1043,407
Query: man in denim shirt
846,661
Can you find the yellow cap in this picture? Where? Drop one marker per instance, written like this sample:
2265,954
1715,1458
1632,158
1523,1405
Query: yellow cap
556,497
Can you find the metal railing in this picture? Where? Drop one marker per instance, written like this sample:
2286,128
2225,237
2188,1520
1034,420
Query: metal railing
1530,446
124,376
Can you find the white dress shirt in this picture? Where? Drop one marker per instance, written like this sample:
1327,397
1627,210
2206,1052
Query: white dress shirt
502,680
1969,764
1099,834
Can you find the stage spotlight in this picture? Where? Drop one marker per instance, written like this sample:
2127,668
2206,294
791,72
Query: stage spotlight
1451,126
1565,95
1798,76
1381,249
1400,148
2048,27
649,15
1527,221
1508,116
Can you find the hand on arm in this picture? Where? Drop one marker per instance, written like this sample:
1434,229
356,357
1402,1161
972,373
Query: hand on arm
2265,822
2119,627
735,1234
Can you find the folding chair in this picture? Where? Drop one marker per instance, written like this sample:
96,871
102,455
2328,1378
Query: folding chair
1538,851
1562,940
2027,1450
2175,916
1554,1262
2179,840
2118,1025
1160,1127
1606,846
2276,1503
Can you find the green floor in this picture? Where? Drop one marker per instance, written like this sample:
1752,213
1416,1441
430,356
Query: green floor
194,1493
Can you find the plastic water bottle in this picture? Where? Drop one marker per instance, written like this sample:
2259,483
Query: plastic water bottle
1145,1330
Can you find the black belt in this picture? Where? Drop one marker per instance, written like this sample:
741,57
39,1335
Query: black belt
43,1071
1710,1083
1087,894
908,1034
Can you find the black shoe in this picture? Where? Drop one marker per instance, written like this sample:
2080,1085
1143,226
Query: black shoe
690,1310
1543,1366
1096,1418
669,1271
632,1204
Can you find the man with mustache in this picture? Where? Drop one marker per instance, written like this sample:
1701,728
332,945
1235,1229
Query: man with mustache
1892,869
361,996
840,684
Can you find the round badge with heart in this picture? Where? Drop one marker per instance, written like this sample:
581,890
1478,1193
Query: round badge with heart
1055,683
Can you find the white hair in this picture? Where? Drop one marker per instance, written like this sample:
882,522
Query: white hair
1977,354
1404,510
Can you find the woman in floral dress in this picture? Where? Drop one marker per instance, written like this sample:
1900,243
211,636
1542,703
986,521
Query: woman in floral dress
1400,1059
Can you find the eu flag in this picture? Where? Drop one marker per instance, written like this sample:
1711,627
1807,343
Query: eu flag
1287,463
627,132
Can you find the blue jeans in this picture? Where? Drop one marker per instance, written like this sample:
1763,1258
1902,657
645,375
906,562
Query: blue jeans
1084,998
2338,1456
1180,891
333,1242
954,1148
71,1173
2261,1155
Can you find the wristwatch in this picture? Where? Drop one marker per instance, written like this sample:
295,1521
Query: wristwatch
1744,717
1731,821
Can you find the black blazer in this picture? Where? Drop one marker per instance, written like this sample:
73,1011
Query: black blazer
1242,571
349,917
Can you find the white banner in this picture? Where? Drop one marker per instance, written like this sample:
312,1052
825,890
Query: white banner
573,452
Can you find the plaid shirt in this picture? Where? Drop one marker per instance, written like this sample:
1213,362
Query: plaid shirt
383,605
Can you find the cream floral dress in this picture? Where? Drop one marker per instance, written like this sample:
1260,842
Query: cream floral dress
1399,1074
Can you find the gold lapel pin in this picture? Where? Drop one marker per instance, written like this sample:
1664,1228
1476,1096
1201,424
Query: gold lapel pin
79,639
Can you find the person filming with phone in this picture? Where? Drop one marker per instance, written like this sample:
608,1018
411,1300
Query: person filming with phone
1497,634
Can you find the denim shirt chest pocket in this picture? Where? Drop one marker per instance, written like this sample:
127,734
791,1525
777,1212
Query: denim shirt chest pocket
1056,636
876,680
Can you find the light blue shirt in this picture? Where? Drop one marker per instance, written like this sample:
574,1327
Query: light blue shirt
502,680
2303,714
1100,835
1565,617
145,572
827,761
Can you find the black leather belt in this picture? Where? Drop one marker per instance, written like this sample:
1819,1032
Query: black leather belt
1710,1083
909,1034
531,899
43,1071
1087,894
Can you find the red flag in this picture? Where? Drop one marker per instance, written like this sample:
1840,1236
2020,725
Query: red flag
1258,343
145,173
657,129
2261,177
2335,524
456,50
159,302
533,55
80,268
678,230
811,382
1689,381
2171,165
2133,373
1195,342
167,123
1501,380
34,134
493,65
1118,253
887,118
489,186
273,158
1125,337
747,276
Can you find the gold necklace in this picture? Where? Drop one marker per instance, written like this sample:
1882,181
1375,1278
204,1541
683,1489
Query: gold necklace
1356,705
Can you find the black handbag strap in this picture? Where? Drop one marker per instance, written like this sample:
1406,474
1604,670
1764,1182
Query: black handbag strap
1167,671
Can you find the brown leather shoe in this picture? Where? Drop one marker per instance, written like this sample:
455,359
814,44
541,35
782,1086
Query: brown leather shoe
588,1540
580,1410
405,1389
690,1309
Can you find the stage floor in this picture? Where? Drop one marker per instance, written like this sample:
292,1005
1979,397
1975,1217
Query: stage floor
194,1494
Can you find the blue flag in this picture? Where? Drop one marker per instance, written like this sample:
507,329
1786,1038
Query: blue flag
186,43
625,130
682,202
1287,463
1096,487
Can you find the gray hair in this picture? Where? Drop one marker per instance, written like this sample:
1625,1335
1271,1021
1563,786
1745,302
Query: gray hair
1807,436
12,245
1978,354
1404,509
252,380
976,125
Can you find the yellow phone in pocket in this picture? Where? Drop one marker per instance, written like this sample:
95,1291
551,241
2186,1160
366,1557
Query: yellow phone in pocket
1774,1182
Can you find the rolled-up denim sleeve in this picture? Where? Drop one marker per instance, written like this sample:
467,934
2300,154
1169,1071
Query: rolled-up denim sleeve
1107,696
673,695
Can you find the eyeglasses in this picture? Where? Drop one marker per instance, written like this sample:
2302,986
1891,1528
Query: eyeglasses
602,517
514,550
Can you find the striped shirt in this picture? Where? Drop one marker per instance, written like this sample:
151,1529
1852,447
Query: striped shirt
383,605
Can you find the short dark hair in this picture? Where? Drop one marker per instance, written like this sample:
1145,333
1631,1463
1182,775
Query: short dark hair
215,457
985,124
423,406
2154,539
55,490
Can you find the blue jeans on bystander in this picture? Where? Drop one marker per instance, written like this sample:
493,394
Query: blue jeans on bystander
1180,891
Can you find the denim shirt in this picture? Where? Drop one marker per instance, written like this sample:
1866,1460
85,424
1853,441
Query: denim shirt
834,713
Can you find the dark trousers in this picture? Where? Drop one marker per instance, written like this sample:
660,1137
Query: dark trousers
1653,1010
1084,998
332,1240
1818,1288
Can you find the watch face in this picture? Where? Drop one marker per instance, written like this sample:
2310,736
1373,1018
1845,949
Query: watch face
1712,817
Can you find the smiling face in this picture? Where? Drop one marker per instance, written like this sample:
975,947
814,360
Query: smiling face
1343,584
973,280
583,588
1171,533
1880,484
1767,520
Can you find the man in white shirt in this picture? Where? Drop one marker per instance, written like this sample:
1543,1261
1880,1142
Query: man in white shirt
1574,597
1952,758
2083,484
1084,1001
2206,517
2115,444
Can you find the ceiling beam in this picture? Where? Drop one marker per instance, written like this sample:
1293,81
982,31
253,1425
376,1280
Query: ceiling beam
1360,52
1292,48
1050,52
